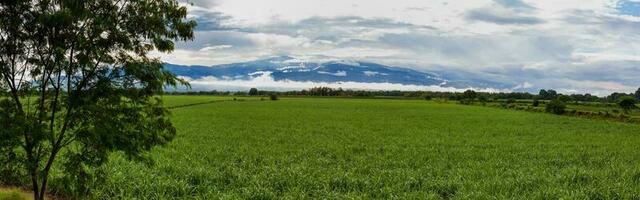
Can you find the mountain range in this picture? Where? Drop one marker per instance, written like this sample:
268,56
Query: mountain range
286,68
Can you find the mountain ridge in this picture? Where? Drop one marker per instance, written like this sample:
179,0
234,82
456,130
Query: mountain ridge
286,68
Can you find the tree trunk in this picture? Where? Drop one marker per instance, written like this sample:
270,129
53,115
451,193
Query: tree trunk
34,183
45,173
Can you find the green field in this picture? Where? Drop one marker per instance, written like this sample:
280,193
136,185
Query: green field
322,148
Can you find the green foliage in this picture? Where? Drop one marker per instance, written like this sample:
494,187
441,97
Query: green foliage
565,98
627,103
81,85
469,94
253,91
483,98
328,148
468,97
273,97
556,107
548,94
12,170
536,103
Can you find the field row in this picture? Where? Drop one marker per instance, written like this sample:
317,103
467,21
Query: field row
309,148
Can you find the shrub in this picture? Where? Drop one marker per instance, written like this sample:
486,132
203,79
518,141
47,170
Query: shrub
511,101
627,103
556,107
565,98
273,97
428,98
483,99
536,103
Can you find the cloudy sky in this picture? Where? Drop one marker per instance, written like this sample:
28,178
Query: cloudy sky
570,45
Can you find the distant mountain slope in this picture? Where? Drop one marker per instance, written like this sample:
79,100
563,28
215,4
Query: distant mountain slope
291,69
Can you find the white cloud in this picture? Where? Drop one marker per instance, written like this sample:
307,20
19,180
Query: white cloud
217,47
266,82
339,73
521,41
370,73
525,85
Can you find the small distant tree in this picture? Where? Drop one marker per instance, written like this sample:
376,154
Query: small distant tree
548,94
468,97
627,103
543,94
253,92
273,97
552,94
556,107
637,94
483,99
469,94
536,102
565,98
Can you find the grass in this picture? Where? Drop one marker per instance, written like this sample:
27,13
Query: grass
323,148
14,194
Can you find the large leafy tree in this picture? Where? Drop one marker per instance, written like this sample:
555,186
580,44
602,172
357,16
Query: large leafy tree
79,83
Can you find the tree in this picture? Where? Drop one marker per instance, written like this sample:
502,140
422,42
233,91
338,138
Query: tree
468,97
627,103
78,75
552,94
616,96
273,97
253,92
469,94
556,107
565,98
548,94
536,102
637,94
483,99
543,94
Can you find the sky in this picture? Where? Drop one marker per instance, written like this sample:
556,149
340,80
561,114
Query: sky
573,46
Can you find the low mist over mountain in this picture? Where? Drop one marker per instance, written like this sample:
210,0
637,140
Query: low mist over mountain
288,73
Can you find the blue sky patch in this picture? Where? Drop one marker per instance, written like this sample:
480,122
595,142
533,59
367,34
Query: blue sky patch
629,7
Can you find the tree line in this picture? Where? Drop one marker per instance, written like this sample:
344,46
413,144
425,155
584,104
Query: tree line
544,94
